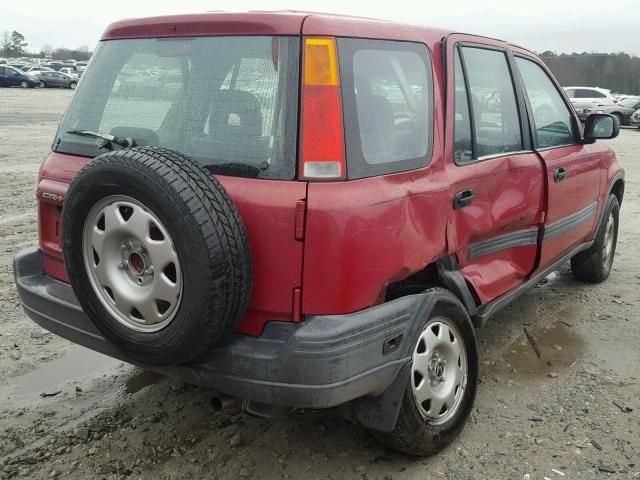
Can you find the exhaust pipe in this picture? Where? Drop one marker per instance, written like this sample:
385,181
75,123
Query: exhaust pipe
222,402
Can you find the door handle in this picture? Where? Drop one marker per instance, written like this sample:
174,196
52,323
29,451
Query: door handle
559,174
463,199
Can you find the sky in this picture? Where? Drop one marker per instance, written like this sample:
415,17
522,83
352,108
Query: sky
540,25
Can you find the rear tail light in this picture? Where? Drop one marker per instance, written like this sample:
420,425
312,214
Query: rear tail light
322,137
615,100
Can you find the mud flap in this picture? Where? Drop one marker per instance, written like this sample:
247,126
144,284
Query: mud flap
381,412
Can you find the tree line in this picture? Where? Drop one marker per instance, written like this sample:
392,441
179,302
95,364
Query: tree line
14,45
618,72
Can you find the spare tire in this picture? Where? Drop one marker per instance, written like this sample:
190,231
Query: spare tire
156,253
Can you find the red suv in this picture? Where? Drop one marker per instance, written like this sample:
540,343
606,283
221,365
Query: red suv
309,210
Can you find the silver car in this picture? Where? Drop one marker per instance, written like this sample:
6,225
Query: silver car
586,97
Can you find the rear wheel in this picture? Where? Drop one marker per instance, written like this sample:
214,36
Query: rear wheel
24,84
594,265
619,117
442,386
42,84
73,85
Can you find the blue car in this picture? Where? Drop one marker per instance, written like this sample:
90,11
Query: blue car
12,77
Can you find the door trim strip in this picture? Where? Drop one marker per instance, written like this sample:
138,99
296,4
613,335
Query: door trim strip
520,238
570,222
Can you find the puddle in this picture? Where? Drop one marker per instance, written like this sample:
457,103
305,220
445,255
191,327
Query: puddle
560,348
142,379
78,363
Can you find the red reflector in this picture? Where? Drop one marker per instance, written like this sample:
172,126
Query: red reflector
322,132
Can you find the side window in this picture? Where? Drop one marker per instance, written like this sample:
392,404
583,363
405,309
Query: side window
571,93
463,145
552,118
495,111
386,89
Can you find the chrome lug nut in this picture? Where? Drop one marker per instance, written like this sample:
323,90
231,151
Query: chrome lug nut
125,245
141,250
123,266
148,272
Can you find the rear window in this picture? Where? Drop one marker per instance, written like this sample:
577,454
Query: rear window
229,103
586,93
387,103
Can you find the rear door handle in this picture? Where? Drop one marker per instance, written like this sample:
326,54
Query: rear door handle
559,174
463,199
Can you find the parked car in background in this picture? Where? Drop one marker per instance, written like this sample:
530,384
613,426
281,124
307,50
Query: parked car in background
54,65
3,61
57,79
69,71
13,77
585,97
34,69
621,112
81,66
630,102
635,119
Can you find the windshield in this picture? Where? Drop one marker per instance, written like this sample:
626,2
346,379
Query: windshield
229,103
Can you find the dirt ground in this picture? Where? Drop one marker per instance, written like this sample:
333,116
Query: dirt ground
70,413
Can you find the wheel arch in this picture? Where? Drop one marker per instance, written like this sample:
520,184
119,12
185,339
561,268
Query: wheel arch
444,273
617,188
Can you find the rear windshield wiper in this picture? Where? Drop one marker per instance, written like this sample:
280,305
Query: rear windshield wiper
237,169
109,140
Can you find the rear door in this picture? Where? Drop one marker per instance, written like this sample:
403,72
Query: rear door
496,180
572,170
60,80
3,76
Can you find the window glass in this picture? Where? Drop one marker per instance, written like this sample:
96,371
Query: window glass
551,116
586,93
571,93
463,146
390,90
495,111
387,105
229,103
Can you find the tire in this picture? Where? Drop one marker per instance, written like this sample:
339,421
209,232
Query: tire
414,433
24,84
190,220
42,84
594,264
73,85
619,117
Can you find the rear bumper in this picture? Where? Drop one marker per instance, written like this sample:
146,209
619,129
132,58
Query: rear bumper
322,362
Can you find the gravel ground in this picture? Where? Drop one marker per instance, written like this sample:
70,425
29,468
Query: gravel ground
68,412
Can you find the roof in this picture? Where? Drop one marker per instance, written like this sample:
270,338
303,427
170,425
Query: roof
270,23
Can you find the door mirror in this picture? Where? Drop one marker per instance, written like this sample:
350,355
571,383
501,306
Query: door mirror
601,126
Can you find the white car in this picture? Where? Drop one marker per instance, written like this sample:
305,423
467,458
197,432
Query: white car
586,97
35,70
69,71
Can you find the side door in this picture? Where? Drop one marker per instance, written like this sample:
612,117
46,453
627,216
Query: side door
11,78
572,169
496,180
3,77
60,80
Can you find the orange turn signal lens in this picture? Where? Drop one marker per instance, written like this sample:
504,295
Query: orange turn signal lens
321,62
